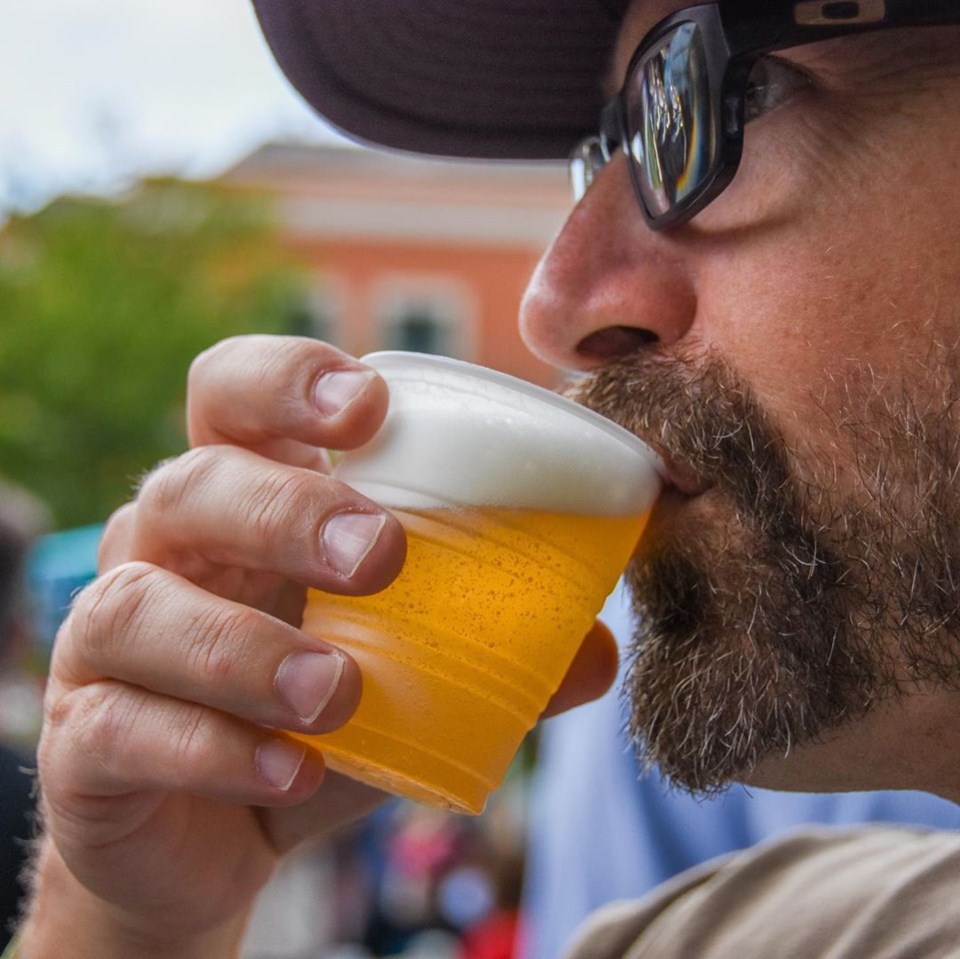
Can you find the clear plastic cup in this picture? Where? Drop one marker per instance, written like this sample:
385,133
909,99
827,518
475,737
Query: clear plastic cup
521,510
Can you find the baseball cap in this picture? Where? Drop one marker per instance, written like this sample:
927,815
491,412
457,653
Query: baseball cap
507,79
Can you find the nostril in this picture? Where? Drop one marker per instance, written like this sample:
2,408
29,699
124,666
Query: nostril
615,341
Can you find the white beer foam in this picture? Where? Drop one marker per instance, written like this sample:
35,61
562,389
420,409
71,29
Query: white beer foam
460,435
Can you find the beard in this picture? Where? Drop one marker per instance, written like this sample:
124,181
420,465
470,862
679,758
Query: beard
792,596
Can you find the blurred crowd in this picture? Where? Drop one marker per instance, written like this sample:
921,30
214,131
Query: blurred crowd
410,881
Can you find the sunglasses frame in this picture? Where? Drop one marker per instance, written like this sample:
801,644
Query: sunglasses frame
735,34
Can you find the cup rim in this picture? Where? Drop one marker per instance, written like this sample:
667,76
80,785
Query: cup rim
384,360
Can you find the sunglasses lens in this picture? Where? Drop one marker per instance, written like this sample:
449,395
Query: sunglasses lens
669,119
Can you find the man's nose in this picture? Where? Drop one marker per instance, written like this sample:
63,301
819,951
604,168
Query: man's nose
608,285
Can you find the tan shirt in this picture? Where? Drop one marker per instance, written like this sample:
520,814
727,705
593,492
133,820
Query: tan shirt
872,893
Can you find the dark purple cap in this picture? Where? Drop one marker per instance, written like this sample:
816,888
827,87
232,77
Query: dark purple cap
509,79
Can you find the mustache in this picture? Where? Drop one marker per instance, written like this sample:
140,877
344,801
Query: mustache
699,415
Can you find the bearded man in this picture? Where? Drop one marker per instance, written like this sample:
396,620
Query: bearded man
760,278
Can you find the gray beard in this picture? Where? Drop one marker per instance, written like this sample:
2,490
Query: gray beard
798,607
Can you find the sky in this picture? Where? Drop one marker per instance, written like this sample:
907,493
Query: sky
96,92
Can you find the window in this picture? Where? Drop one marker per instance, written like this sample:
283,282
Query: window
426,316
316,311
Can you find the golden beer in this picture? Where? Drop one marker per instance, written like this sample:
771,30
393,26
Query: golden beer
461,653
521,510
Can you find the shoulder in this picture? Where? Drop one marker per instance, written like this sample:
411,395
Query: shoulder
871,892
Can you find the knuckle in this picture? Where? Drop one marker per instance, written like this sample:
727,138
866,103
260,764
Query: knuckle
281,501
214,645
192,737
106,611
164,489
84,758
103,719
91,721
56,717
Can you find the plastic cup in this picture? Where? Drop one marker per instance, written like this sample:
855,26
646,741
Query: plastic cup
521,510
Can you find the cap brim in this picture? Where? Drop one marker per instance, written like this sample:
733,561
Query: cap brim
509,79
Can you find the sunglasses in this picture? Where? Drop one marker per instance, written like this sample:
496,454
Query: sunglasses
680,114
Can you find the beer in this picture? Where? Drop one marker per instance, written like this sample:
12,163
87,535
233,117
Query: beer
479,628
521,509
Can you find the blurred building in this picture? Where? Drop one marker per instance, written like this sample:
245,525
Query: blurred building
390,252
412,254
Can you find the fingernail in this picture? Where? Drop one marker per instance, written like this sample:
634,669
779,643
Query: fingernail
348,538
307,681
335,391
279,761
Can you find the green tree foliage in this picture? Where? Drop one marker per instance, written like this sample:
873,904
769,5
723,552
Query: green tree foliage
103,304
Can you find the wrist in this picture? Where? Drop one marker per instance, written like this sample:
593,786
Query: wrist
64,919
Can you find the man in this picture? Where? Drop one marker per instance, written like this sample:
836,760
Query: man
782,329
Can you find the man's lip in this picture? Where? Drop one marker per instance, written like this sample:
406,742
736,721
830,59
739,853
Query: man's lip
683,478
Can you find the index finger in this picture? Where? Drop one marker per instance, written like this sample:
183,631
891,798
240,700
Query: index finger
283,396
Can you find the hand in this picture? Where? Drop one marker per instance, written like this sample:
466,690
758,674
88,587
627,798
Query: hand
169,790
